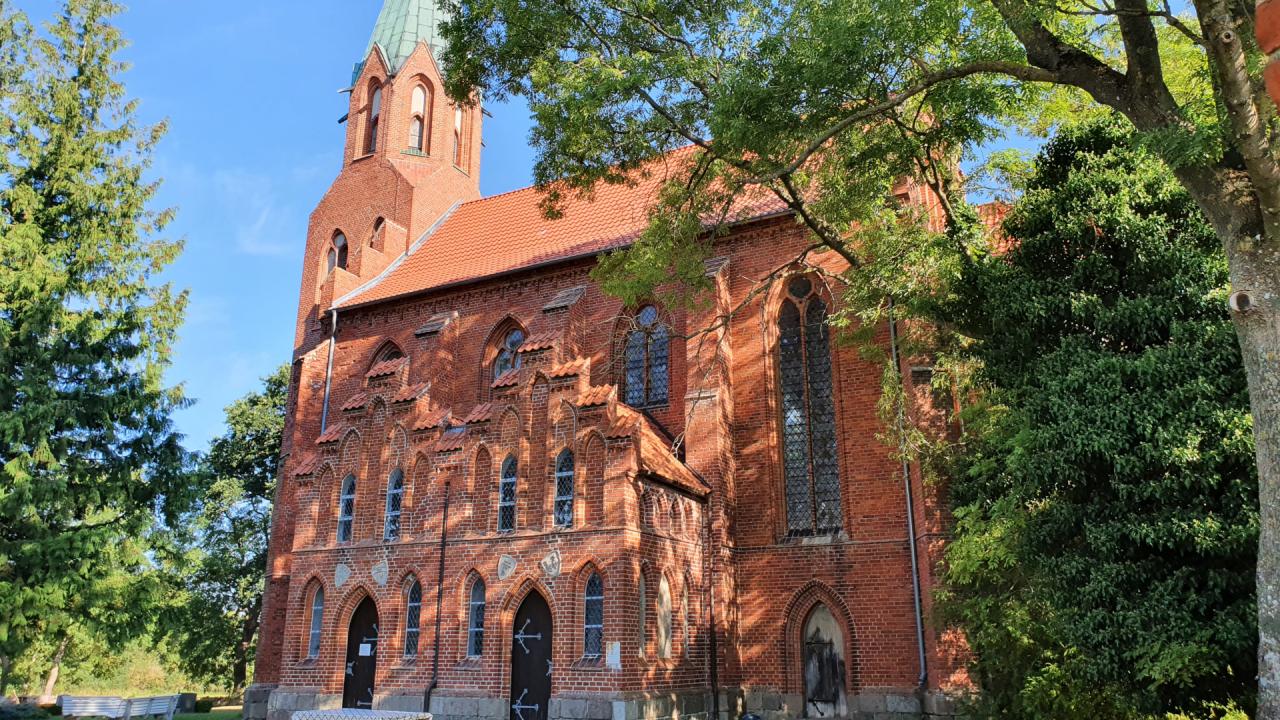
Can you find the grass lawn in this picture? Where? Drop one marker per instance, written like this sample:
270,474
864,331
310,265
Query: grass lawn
219,714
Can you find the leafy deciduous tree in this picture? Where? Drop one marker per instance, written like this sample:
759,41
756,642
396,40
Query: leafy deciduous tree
224,557
824,103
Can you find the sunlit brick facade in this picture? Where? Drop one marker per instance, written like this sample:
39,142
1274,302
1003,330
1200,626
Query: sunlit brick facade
454,338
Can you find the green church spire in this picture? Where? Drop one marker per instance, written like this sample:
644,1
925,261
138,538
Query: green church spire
402,24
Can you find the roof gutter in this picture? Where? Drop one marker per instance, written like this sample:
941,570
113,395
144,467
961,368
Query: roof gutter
523,268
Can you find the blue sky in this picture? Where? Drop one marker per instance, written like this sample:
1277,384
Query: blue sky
249,88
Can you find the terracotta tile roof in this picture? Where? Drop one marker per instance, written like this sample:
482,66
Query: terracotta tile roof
411,393
507,379
355,402
565,299
333,434
595,396
622,427
431,420
579,366
452,439
509,232
481,413
306,466
654,456
541,341
386,367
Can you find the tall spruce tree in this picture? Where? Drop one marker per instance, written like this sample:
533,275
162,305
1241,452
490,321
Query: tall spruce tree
88,449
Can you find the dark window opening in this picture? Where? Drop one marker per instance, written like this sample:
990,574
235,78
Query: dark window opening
346,509
413,620
395,502
646,360
564,489
508,357
507,496
593,618
810,466
475,621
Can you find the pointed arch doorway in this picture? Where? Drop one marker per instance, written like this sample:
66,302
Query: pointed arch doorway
531,660
362,657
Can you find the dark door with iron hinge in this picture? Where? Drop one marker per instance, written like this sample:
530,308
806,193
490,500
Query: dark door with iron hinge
531,660
362,657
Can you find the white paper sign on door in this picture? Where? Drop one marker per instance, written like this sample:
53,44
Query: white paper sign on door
366,649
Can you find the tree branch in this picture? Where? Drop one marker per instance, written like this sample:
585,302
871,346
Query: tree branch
987,67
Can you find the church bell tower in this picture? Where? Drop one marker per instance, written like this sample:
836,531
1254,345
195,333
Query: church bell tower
411,157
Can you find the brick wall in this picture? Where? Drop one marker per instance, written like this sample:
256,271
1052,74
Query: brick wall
719,539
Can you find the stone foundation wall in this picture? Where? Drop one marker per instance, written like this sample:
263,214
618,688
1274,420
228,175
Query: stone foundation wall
267,703
871,704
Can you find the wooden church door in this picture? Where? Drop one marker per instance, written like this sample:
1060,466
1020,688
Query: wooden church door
362,657
531,660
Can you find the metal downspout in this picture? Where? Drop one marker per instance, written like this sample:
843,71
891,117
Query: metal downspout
435,659
328,371
911,508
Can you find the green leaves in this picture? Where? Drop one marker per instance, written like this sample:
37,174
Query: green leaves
1107,521
218,558
85,333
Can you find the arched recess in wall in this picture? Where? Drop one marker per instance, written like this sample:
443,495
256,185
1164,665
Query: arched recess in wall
320,487
421,107
593,468
805,654
482,490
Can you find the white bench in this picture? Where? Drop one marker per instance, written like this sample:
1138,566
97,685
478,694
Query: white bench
115,708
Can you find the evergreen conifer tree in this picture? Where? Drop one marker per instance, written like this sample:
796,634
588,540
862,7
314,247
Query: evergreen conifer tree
88,453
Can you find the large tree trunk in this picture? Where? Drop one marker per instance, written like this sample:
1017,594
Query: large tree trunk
4,676
55,668
240,670
1256,271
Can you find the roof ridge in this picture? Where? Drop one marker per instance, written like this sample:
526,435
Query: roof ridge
534,186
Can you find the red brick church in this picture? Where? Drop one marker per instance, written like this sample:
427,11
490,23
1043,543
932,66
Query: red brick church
507,496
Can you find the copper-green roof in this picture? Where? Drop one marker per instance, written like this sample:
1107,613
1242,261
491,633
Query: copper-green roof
402,24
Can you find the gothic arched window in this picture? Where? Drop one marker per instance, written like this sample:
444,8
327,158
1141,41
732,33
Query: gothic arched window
564,489
337,252
508,357
420,120
346,508
412,619
475,620
810,467
317,622
395,502
646,360
507,495
593,618
375,116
